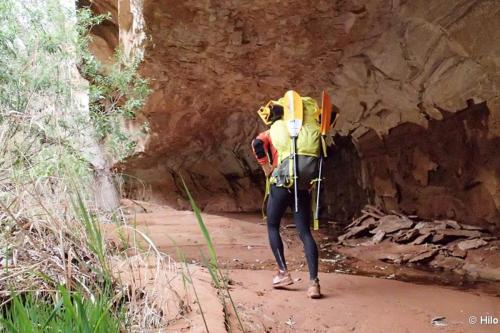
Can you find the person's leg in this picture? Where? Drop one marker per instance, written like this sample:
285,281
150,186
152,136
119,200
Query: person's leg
276,206
302,221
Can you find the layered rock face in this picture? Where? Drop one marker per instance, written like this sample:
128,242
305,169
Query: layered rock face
422,108
416,83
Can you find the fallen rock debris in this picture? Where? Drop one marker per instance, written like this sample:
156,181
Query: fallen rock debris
471,244
290,322
439,321
447,238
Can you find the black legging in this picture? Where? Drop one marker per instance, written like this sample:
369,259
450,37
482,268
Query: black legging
279,199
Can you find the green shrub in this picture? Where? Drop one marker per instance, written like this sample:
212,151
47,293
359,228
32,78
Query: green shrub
50,153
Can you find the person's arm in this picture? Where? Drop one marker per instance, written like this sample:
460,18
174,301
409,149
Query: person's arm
261,147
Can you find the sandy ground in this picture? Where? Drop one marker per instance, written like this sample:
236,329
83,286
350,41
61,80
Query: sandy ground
357,304
351,303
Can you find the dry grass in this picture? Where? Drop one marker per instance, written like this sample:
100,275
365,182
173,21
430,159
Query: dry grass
50,235
45,252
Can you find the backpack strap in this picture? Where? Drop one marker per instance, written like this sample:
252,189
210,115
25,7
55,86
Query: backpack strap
316,182
314,206
266,196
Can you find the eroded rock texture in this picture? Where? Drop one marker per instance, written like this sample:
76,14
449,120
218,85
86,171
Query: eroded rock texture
416,82
423,110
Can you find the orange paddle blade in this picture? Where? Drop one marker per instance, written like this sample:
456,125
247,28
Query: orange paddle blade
326,112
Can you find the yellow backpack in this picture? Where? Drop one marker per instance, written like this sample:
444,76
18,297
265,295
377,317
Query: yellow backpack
308,148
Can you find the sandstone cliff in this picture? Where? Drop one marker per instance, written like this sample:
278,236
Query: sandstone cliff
416,83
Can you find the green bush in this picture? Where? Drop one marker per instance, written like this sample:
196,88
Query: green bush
116,91
49,147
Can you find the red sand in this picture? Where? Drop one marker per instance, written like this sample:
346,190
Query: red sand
351,303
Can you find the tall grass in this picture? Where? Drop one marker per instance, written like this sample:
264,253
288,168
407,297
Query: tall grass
188,278
94,238
70,312
76,291
219,279
71,261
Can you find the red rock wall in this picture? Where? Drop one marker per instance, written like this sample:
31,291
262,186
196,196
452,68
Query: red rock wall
446,170
401,73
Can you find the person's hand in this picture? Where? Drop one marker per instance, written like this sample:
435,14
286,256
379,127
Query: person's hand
268,169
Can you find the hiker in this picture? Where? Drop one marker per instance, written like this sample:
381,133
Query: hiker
272,150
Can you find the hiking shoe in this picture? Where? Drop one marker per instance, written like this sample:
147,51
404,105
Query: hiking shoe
282,279
314,290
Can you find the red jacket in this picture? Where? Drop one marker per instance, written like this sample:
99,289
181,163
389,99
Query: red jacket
264,150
